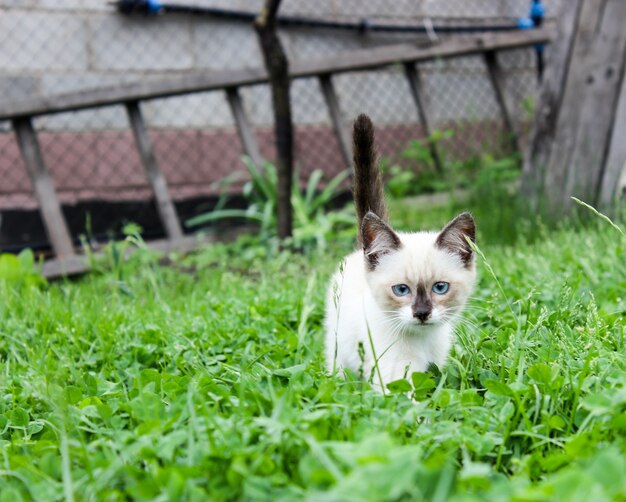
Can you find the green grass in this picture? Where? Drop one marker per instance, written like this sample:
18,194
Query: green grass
205,380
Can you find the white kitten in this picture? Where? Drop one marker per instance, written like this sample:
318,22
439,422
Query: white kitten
392,306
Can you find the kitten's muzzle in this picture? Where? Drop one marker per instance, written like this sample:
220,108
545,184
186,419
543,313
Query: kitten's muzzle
422,315
422,306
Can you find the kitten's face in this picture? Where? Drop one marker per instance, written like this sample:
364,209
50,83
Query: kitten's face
420,284
421,279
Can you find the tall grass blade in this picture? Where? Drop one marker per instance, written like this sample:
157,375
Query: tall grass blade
224,213
599,214
330,190
264,180
311,186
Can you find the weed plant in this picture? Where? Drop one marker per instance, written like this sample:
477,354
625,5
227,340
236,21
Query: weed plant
313,224
419,175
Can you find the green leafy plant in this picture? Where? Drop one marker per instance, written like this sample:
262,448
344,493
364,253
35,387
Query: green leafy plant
312,224
495,201
217,389
20,270
420,176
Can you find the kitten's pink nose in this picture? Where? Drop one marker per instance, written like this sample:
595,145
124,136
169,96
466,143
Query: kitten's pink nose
422,315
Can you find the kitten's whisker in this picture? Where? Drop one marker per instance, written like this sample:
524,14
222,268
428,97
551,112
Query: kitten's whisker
463,320
396,328
467,308
455,318
457,313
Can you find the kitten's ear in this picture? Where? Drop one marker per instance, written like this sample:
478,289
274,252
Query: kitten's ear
453,237
378,239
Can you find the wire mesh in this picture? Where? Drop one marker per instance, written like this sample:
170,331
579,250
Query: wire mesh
50,47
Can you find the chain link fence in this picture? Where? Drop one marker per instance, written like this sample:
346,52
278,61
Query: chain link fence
57,46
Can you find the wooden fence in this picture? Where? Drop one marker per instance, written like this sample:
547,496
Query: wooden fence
67,261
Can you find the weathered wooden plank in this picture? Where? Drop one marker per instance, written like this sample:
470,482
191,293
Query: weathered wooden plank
578,135
165,207
602,72
57,268
336,117
49,206
496,77
417,92
615,167
356,60
246,135
76,265
549,102
558,165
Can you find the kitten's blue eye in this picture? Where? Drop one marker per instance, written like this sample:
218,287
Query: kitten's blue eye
400,289
441,288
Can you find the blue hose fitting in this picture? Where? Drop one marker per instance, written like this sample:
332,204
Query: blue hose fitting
525,23
537,12
154,6
149,7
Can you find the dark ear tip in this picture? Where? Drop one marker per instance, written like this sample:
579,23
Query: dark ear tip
370,216
466,216
378,238
465,220
454,235
370,220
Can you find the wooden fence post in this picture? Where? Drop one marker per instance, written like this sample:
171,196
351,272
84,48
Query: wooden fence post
615,167
602,71
165,207
49,206
496,76
246,135
277,66
571,156
417,91
548,107
332,102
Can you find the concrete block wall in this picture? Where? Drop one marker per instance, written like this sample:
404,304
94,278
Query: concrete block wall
51,46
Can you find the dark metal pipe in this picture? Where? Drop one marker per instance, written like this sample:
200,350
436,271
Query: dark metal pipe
153,7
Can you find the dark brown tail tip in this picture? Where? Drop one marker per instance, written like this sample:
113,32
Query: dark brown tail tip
363,142
363,127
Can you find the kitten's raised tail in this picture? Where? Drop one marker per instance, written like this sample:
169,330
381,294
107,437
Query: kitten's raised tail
368,191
